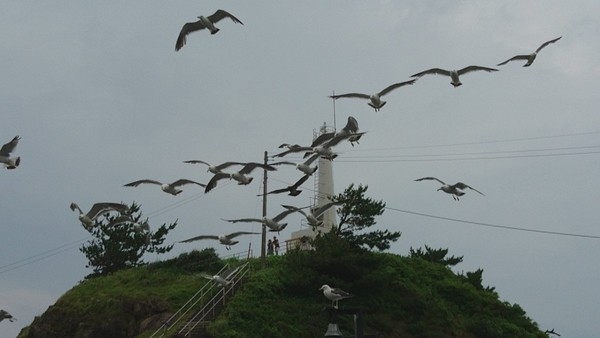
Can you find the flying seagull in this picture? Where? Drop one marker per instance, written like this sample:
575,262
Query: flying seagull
98,209
334,294
215,169
549,332
226,240
454,74
375,99
455,190
272,223
10,162
5,315
239,176
313,216
529,57
224,279
292,190
303,166
204,22
170,188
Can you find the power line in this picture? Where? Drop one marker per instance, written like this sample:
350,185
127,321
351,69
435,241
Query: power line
506,227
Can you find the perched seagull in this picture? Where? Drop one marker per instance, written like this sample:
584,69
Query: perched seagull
375,99
223,279
226,240
215,169
454,73
239,176
313,217
204,22
530,57
292,190
5,315
10,163
170,188
334,294
454,190
272,223
98,209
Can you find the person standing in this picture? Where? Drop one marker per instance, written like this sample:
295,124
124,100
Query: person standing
276,245
270,248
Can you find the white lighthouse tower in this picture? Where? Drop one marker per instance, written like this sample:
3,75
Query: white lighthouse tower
323,192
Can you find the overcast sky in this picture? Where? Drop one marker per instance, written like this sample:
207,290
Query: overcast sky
100,98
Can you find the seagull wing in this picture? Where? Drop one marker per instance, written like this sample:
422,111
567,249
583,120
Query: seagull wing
100,208
437,71
278,191
74,207
228,164
283,162
516,57
185,30
184,181
300,181
239,233
250,166
462,186
227,274
311,159
474,68
136,183
396,85
282,215
9,147
245,220
196,162
199,238
325,207
339,293
295,209
546,44
351,126
221,14
322,138
213,181
293,150
357,95
430,178
340,137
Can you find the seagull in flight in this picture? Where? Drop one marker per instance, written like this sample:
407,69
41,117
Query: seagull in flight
239,176
313,216
226,240
454,74
223,279
87,219
274,224
203,22
215,169
170,188
529,57
455,190
334,294
292,190
375,99
10,162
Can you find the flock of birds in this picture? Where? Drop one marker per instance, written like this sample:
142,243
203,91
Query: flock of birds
321,147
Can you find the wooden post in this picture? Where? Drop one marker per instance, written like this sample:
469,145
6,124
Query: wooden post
264,213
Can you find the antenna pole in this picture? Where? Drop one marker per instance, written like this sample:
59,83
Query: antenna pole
264,213
334,125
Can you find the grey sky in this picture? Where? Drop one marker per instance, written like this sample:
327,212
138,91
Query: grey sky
100,98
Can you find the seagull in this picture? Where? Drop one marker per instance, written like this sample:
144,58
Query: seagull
375,99
303,166
10,163
292,190
226,240
454,73
334,294
326,143
239,176
170,188
549,332
530,57
313,217
215,169
454,190
5,315
204,22
272,223
137,227
224,279
98,209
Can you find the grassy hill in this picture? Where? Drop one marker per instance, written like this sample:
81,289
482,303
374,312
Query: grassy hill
400,297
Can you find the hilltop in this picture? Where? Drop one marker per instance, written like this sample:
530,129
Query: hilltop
400,297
